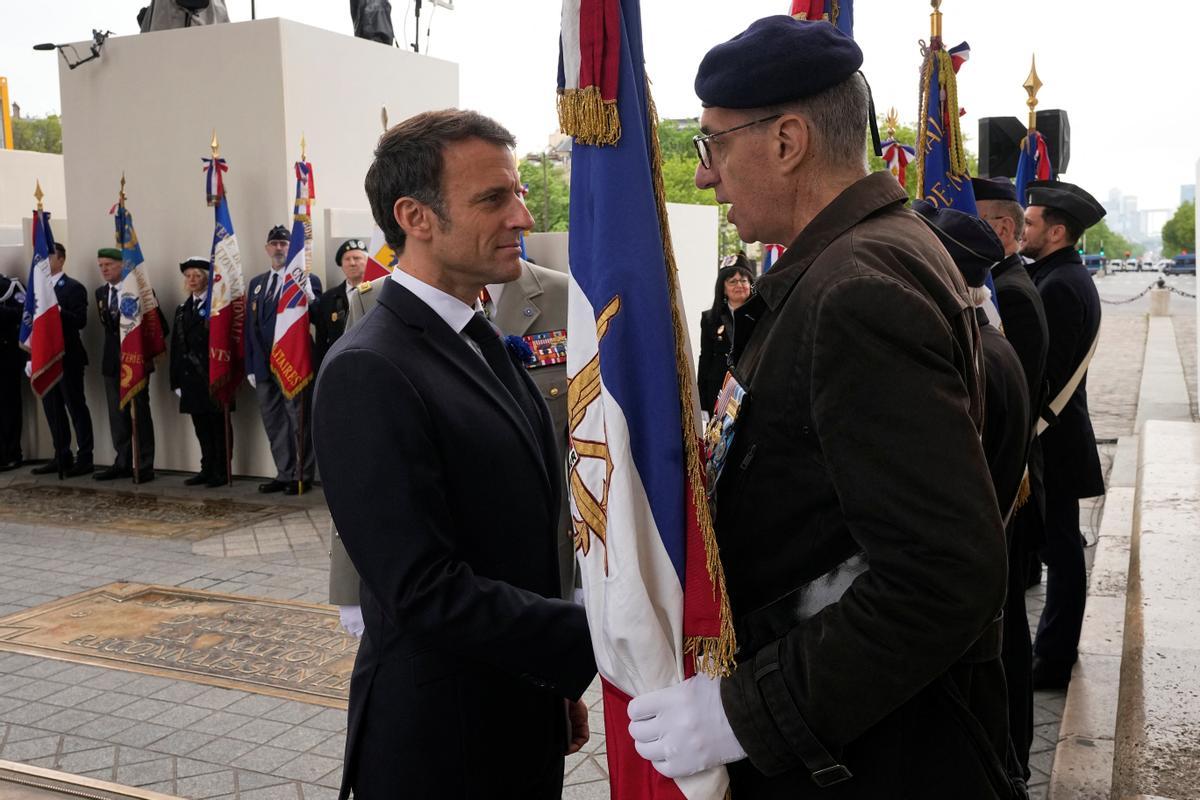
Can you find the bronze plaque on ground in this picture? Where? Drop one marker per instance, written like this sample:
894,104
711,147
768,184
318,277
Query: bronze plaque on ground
128,512
276,647
23,782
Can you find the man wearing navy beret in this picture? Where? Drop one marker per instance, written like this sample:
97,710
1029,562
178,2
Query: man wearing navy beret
860,535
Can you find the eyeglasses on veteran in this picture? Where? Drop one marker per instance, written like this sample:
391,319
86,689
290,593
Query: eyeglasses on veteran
701,140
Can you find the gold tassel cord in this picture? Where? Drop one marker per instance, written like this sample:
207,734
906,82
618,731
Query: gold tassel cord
587,116
713,655
949,82
923,116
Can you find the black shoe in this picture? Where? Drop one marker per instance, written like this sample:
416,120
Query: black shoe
112,473
49,468
214,482
293,488
196,479
7,465
272,486
81,468
144,476
1049,676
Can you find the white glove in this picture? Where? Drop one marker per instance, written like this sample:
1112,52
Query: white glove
352,620
28,369
179,392
250,379
683,729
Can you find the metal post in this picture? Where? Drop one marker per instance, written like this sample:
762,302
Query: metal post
545,194
137,466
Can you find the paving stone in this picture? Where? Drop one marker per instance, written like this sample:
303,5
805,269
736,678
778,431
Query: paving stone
254,705
264,758
111,679
71,696
181,743
222,751
36,689
75,744
11,682
260,731
30,748
285,791
146,772
85,760
146,685
44,668
21,733
8,704
332,779
333,747
308,768
179,692
209,785
330,719
249,779
219,723
300,738
105,727
215,697
293,713
140,734
106,702
164,787
189,767
67,720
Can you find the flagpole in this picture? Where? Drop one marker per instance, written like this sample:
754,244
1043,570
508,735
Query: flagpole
136,454
228,447
1032,84
300,445
38,194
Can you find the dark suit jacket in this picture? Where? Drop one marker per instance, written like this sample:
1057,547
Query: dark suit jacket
260,324
189,361
330,321
1072,465
72,307
110,361
1006,421
447,502
716,338
1024,320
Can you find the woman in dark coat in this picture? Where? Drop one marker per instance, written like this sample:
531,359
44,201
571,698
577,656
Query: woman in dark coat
735,281
189,375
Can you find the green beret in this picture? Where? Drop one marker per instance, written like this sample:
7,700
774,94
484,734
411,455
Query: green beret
109,252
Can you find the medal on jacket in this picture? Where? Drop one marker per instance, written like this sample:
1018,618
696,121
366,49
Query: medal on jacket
548,347
718,437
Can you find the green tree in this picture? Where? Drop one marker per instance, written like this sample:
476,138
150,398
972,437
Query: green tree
40,134
549,198
1179,233
679,178
1100,236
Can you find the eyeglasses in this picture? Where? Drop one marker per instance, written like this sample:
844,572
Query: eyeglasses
736,281
701,140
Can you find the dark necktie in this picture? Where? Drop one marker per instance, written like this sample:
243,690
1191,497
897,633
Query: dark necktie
484,334
112,301
271,289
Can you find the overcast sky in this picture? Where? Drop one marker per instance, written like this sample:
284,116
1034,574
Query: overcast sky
1127,73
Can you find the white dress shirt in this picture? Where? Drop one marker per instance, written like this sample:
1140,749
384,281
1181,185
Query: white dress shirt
453,312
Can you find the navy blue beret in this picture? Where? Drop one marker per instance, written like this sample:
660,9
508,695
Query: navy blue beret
775,60
1068,198
347,246
279,234
195,262
971,242
994,189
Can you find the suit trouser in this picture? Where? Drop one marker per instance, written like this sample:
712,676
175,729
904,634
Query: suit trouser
1057,639
11,379
210,432
120,421
281,420
1017,651
67,398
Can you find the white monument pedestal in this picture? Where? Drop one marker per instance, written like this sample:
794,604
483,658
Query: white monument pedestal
148,107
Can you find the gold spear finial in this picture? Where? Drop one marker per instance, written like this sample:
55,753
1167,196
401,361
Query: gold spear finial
383,118
1032,84
216,147
37,192
892,121
303,147
935,19
121,193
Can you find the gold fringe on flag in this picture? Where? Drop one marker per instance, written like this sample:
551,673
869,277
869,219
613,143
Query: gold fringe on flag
948,82
713,655
1024,492
587,116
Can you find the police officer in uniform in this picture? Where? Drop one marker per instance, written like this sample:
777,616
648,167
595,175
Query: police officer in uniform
65,404
280,416
335,304
1057,215
120,420
860,536
189,375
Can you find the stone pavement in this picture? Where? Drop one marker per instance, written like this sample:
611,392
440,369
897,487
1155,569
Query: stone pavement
197,741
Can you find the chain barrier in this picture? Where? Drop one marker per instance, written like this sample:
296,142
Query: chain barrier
1158,284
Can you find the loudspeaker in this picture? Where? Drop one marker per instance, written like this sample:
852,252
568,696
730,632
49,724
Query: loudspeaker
1052,124
999,146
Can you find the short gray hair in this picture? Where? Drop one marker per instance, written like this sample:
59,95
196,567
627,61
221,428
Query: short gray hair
1012,210
839,119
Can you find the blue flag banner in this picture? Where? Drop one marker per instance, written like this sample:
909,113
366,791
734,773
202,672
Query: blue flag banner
1034,164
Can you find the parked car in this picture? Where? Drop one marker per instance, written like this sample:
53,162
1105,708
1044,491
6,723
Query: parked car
1093,263
1182,265
1116,265
1131,264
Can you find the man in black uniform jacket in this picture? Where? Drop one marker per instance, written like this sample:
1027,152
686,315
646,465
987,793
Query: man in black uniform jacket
859,532
1024,321
447,499
189,375
331,315
12,365
1057,215
65,404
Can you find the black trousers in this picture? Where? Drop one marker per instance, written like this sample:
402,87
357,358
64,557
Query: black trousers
12,376
1066,582
120,421
67,399
1016,653
210,432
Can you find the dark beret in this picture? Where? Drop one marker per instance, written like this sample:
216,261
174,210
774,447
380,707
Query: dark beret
195,262
994,189
775,60
346,246
971,242
109,252
279,234
1068,198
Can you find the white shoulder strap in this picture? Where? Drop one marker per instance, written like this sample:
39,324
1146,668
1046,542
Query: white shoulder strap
1060,402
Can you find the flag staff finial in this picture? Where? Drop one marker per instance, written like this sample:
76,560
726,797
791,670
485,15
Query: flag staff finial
37,193
121,193
383,118
1032,84
303,147
935,19
216,147
892,121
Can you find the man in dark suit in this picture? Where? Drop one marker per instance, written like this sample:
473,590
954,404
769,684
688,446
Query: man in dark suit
448,500
1024,320
351,256
1057,215
189,375
65,404
120,420
12,365
281,417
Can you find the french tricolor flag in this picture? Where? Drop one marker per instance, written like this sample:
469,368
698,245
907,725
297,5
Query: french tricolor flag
41,324
291,353
771,255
